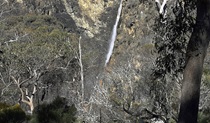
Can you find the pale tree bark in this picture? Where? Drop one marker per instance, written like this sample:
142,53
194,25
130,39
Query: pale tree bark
29,100
162,8
196,52
81,70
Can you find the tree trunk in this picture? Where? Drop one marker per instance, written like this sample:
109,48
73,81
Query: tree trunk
196,52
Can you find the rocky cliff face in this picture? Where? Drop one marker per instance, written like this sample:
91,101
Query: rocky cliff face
124,79
95,19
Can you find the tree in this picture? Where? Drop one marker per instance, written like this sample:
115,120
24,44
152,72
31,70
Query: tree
29,100
172,30
196,52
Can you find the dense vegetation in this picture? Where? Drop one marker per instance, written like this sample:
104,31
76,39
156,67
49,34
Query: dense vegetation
11,114
36,50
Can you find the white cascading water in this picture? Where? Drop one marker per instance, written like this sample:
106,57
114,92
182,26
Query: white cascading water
114,35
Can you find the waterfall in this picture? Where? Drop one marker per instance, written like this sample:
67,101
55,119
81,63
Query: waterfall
114,34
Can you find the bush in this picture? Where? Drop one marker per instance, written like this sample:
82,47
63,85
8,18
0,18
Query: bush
11,114
3,105
56,112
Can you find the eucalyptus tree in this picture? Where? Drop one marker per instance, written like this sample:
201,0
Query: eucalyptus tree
196,52
197,31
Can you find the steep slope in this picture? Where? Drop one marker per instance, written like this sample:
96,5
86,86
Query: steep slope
31,27
93,21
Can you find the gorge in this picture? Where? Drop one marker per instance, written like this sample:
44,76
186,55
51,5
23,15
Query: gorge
94,57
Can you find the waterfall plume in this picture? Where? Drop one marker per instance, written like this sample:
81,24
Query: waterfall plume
113,35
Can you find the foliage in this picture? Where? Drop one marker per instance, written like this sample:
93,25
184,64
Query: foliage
40,39
204,116
206,73
12,114
171,39
3,105
33,45
56,112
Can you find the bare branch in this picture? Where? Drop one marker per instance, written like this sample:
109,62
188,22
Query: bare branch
81,67
128,111
2,79
161,8
17,37
4,89
34,91
29,100
140,112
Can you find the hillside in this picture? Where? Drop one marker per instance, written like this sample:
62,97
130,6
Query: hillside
58,48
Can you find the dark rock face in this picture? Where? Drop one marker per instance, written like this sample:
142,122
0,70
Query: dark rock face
67,21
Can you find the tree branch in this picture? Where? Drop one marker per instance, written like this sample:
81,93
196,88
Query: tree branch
139,113
161,8
29,100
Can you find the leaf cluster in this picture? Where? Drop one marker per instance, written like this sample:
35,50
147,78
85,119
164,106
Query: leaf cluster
171,40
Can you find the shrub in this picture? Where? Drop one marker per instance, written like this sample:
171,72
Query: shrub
3,105
11,114
56,112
